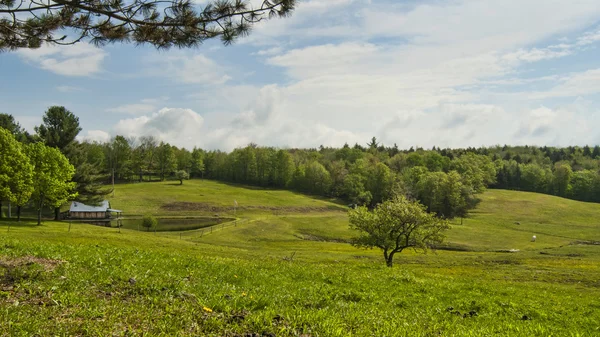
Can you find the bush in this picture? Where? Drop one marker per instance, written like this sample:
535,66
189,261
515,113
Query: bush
149,222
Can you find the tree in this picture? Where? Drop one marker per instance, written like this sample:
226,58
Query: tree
52,175
166,160
162,24
149,222
118,157
562,179
197,166
60,127
88,160
353,190
396,225
379,182
15,172
317,178
284,168
181,174
144,155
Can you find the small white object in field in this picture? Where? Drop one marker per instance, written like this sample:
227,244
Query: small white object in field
533,238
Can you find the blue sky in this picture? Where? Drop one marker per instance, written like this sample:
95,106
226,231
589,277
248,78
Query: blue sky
416,73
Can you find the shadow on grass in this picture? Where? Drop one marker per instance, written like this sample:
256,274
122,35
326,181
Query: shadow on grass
12,223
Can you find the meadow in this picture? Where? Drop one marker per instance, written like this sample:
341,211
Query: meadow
284,268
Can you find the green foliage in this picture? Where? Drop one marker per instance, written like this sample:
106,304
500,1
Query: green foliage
163,25
149,222
317,178
396,225
60,127
97,281
16,171
165,160
562,179
181,175
52,175
197,166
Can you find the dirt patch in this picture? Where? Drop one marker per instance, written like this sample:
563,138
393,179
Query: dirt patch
14,262
588,243
181,206
310,237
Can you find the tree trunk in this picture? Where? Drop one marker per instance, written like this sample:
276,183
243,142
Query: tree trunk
56,213
9,209
0,209
18,213
390,259
39,214
180,181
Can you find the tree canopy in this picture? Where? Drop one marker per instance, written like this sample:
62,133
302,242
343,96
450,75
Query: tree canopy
52,175
395,225
161,23
59,128
15,170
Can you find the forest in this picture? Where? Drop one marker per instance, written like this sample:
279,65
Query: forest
446,181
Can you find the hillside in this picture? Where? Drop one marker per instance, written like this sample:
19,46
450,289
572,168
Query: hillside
285,270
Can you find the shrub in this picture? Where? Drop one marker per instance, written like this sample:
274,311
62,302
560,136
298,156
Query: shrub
149,222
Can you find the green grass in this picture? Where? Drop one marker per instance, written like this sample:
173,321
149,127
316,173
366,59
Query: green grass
284,270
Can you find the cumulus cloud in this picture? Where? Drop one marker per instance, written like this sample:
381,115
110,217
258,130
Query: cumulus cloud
94,136
180,127
81,59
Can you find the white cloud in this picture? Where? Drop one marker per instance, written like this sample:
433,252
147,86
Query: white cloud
269,52
569,124
94,136
589,38
81,59
573,85
180,127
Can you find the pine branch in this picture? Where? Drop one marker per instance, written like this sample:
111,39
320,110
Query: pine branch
161,23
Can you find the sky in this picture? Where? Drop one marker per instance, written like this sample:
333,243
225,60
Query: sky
447,73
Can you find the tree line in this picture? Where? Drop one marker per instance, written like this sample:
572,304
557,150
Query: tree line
445,181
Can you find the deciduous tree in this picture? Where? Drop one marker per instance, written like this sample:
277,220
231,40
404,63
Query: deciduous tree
52,175
16,183
396,225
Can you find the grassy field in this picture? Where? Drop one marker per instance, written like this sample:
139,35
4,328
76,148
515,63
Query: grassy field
285,269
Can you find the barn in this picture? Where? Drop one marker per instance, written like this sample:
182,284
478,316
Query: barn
82,211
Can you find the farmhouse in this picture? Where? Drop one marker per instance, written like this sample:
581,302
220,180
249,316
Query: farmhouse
83,211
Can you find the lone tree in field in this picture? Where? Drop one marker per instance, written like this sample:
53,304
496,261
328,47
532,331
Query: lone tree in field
181,174
161,23
395,225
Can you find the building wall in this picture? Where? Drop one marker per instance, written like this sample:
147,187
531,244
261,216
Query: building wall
88,215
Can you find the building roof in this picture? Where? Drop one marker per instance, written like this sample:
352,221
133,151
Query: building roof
79,207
